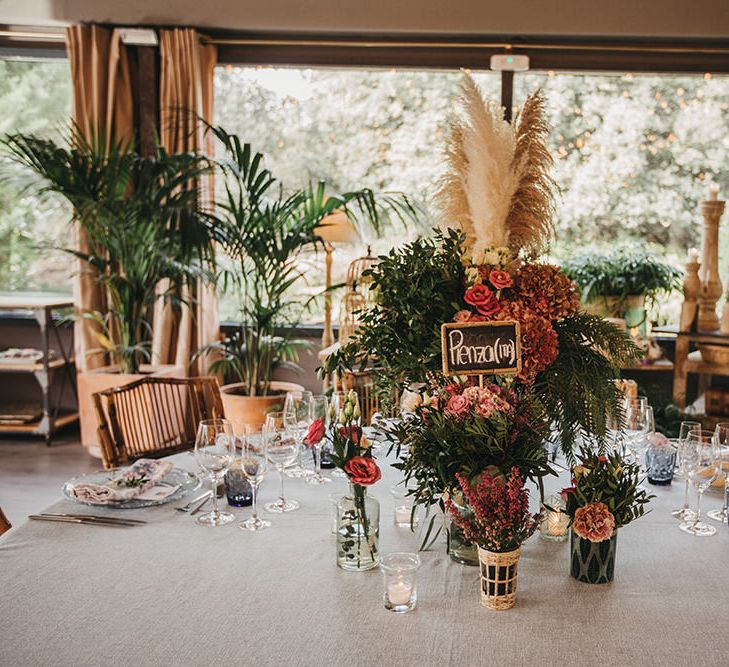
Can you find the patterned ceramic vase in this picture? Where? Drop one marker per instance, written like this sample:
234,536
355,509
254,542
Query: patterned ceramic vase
592,562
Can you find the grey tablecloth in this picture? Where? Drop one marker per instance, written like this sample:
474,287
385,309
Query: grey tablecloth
175,593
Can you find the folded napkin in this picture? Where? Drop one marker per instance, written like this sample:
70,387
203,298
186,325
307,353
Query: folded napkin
139,478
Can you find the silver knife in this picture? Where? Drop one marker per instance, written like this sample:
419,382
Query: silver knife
87,522
96,517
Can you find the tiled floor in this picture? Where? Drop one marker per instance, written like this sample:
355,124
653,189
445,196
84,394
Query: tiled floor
31,474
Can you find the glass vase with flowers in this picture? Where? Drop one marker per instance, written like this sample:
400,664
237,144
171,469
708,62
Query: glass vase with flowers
358,514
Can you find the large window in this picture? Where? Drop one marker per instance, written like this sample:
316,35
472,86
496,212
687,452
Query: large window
634,157
354,128
34,97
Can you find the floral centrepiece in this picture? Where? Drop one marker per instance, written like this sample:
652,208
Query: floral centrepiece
358,513
605,495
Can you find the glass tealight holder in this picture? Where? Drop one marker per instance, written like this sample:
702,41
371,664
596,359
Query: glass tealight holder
399,570
660,460
403,507
555,524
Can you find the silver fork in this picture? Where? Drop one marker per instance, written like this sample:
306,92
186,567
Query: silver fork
193,502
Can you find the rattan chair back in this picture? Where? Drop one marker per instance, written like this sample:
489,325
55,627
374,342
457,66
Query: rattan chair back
153,416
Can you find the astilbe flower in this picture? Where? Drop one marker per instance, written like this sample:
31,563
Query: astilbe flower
539,345
547,291
501,519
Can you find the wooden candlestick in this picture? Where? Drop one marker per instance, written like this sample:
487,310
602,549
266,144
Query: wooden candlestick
710,281
691,292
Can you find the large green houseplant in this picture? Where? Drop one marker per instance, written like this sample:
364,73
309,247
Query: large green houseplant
146,238
262,229
618,283
142,221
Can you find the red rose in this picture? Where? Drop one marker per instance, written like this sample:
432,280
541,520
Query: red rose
457,406
500,279
482,299
602,459
352,433
315,434
362,470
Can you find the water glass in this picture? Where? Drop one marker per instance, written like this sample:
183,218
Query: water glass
660,460
318,414
703,469
238,490
282,450
215,453
399,570
296,414
254,465
682,456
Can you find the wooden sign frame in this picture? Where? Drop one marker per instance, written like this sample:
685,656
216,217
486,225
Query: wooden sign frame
447,370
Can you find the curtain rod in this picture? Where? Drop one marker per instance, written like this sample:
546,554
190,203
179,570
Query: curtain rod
253,41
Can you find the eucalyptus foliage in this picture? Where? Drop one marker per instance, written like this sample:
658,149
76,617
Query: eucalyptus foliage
142,222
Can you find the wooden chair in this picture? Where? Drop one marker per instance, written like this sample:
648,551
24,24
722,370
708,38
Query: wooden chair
153,416
4,523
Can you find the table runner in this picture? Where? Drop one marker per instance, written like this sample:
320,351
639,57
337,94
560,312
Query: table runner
175,593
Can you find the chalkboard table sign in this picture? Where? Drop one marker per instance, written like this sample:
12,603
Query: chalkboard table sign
481,348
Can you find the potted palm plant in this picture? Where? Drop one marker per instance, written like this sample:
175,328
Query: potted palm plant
144,227
263,228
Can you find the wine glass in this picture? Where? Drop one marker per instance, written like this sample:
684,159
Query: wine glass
254,464
282,449
296,412
637,416
703,469
722,436
682,456
318,410
215,453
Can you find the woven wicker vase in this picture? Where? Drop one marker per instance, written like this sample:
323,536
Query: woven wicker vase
498,578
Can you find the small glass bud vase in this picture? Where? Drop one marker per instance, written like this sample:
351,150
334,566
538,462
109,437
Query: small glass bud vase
555,524
358,530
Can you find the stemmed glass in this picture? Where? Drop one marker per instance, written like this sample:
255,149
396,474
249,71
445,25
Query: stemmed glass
636,426
281,450
318,410
296,413
703,469
722,436
215,453
254,465
683,456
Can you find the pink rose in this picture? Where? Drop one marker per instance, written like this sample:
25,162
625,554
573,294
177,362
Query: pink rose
482,299
362,470
500,279
457,406
594,522
315,434
462,316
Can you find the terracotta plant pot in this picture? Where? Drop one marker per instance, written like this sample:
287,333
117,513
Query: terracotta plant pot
99,379
253,409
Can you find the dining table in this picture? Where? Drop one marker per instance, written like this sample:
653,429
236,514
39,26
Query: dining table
173,592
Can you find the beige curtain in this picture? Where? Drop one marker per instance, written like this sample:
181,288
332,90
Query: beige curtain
102,104
186,94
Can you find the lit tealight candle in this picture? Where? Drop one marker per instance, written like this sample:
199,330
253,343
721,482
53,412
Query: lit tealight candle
402,515
713,192
399,592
